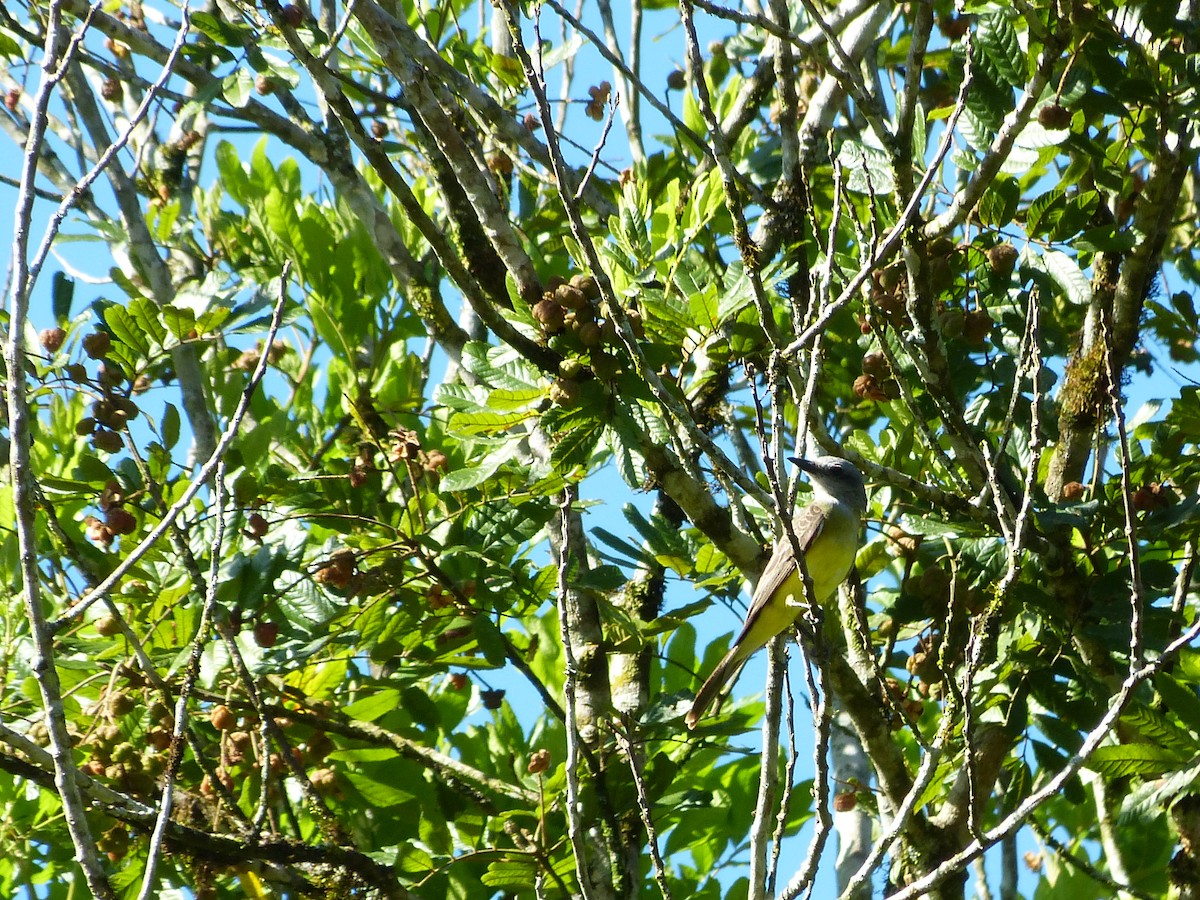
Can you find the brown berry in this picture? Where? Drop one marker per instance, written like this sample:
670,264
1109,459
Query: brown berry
458,681
438,598
108,441
590,335
121,704
379,129
108,626
263,85
976,327
570,296
1151,497
501,164
1002,258
324,781
845,801
587,284
539,762
531,122
564,392
1072,491
1054,117
492,699
266,634
676,80
875,363
256,525
121,521
605,365
435,461
12,99
52,339
85,426
222,718
549,314
953,27
868,387
112,90
97,344
111,495
333,576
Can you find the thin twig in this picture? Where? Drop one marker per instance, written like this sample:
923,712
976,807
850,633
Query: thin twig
639,783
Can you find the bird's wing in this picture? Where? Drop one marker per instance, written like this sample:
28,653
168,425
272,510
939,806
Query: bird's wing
806,527
782,563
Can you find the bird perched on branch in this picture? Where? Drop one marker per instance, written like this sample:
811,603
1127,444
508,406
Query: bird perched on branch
826,532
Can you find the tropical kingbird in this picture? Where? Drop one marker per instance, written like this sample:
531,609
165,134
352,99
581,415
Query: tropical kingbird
827,533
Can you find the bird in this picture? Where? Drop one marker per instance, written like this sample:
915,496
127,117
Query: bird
826,532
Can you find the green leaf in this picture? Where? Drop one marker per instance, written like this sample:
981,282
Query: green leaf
221,31
574,448
516,874
237,88
10,49
996,37
1133,759
487,422
377,792
169,426
375,704
62,292
999,203
233,176
869,169
1157,729
1180,699
1067,275
179,321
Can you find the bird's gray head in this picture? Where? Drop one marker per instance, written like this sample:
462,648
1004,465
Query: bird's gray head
837,478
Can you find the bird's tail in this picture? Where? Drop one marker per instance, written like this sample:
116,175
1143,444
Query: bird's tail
725,672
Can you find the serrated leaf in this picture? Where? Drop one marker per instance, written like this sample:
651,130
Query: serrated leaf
469,477
1147,801
1133,759
180,322
509,399
1042,207
513,874
869,169
574,448
486,421
1158,729
999,203
996,38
